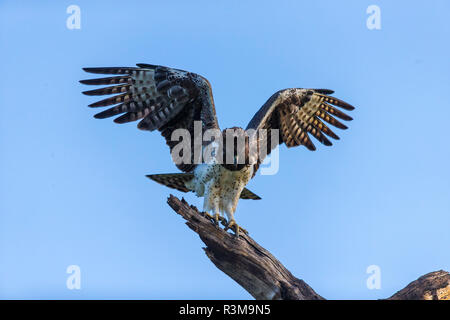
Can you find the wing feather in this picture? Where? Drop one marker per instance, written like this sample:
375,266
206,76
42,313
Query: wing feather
297,113
162,98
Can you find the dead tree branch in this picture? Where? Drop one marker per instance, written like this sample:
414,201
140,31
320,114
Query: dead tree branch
432,286
264,277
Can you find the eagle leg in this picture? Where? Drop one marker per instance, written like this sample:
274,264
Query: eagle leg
217,218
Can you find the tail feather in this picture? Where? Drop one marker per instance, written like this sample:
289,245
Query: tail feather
178,181
173,180
247,194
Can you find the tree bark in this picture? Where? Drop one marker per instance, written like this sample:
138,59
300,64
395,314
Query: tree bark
432,286
265,278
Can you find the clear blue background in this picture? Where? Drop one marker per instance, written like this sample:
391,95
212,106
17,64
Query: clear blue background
73,190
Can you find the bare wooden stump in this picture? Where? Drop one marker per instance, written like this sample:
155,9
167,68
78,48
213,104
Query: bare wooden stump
265,278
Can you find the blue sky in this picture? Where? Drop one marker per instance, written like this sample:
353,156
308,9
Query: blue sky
73,189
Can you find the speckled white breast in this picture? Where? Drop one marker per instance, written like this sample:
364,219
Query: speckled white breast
220,187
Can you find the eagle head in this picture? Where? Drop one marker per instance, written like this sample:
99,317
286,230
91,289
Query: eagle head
235,149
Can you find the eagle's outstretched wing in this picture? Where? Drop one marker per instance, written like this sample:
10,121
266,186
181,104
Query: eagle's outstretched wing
162,98
297,113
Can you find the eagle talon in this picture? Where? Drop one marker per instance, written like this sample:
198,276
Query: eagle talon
236,228
216,218
207,215
244,231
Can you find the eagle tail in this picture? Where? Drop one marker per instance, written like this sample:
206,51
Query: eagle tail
173,180
247,194
178,181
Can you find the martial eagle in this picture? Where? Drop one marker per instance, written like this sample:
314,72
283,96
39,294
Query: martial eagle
167,99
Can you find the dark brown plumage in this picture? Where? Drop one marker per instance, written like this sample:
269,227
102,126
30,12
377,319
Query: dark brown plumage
162,98
296,113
